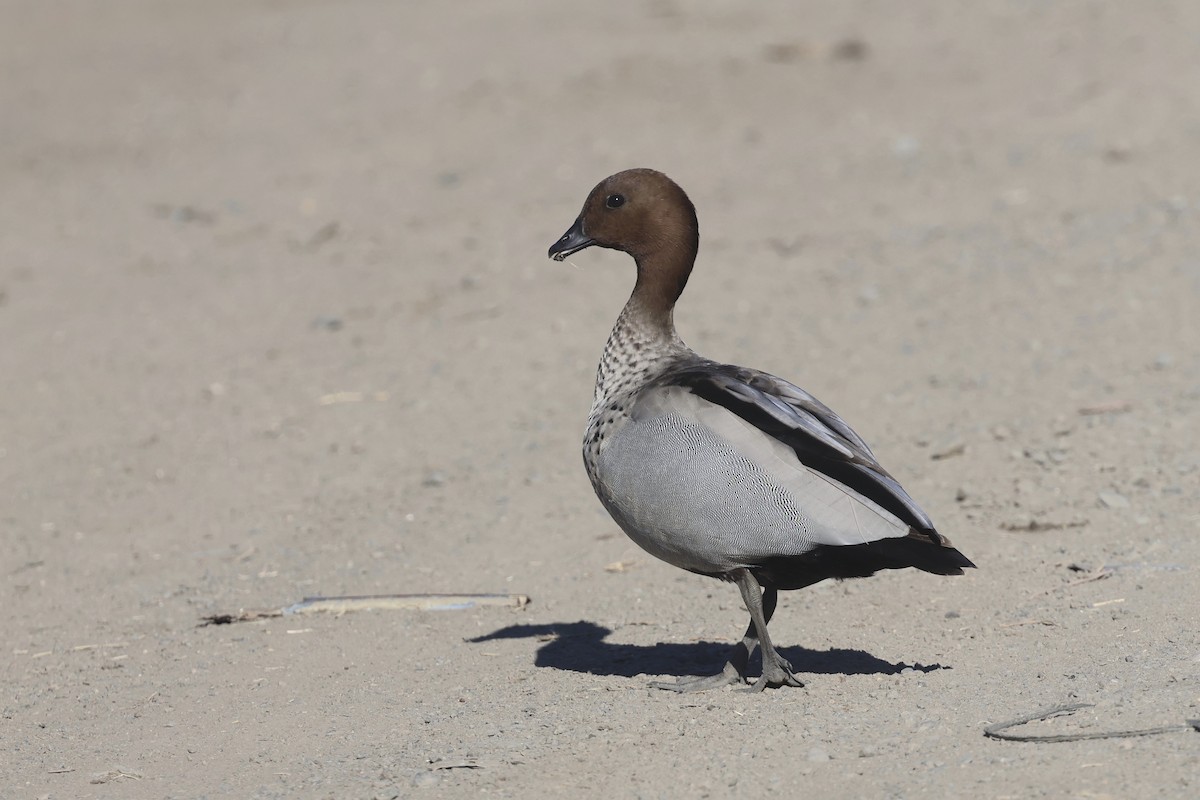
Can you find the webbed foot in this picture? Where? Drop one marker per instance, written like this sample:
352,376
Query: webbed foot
702,683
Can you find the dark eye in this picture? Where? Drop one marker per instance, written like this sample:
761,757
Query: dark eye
615,200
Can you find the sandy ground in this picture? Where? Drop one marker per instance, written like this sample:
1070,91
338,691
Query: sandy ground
277,321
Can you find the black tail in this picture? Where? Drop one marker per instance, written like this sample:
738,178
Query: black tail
926,552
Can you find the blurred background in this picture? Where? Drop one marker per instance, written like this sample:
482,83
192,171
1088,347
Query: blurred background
276,320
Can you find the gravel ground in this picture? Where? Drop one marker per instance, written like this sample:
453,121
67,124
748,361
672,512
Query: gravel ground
278,322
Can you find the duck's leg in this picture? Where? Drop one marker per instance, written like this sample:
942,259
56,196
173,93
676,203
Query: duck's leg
739,657
776,671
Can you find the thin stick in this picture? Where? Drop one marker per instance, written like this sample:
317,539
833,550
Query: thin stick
993,731
373,602
424,602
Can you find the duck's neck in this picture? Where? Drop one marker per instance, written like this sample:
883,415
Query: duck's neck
644,339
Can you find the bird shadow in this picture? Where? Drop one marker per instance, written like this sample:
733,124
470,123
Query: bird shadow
580,647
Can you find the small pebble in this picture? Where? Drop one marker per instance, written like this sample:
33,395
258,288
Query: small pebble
1113,500
327,323
850,50
948,448
818,754
425,779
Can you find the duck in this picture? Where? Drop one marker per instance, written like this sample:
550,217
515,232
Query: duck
722,470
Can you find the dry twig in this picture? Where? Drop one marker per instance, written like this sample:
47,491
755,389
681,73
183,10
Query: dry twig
994,731
373,602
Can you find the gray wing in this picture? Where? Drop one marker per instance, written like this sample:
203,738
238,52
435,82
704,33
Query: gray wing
821,440
702,488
